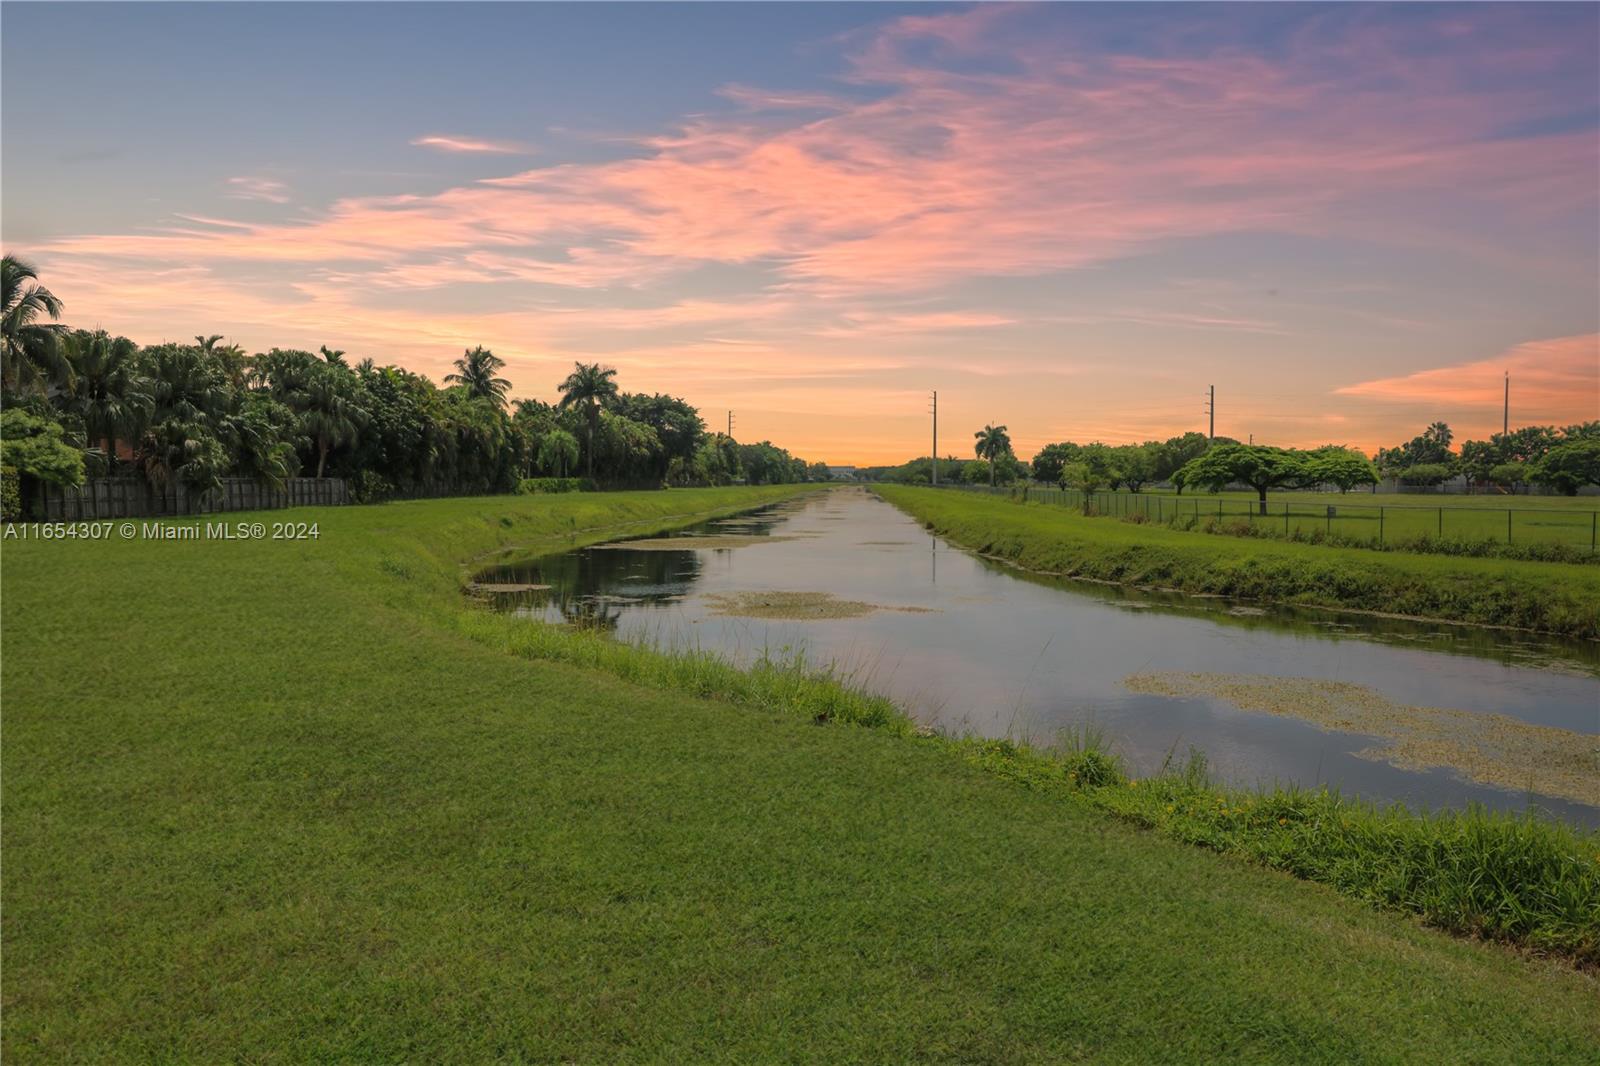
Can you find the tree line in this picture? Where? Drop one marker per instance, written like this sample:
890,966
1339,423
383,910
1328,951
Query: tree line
1562,459
83,402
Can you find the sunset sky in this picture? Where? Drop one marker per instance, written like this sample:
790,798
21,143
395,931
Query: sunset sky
1067,219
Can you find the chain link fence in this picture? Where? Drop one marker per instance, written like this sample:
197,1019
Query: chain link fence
1356,523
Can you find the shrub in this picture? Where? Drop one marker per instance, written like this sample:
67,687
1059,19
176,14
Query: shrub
10,495
530,486
370,487
1425,474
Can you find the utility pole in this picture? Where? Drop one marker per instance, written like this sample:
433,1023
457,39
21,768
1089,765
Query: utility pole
730,423
1211,409
934,458
1505,411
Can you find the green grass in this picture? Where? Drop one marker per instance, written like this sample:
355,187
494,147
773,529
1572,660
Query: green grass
1514,526
1514,878
287,802
1559,598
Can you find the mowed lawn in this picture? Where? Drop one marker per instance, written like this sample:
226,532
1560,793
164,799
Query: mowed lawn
1573,521
263,802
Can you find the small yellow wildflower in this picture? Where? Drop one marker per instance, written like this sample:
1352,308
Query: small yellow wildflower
1283,821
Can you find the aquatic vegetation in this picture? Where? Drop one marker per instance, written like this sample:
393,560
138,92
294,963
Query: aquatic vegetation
796,606
1493,749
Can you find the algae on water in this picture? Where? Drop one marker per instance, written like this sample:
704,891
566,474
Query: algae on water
1492,749
795,606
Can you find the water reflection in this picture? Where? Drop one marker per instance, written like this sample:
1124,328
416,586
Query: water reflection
998,651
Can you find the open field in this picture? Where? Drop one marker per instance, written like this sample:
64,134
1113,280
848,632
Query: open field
1562,598
1573,522
292,801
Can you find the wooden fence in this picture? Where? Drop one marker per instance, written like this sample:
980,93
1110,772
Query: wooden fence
126,497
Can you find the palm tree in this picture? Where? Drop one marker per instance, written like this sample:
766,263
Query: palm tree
334,356
189,395
476,369
592,385
328,415
231,356
992,444
32,356
111,394
558,449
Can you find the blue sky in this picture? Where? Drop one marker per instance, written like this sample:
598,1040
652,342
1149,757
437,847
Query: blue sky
1069,219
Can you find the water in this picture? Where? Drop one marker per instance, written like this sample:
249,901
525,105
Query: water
1001,653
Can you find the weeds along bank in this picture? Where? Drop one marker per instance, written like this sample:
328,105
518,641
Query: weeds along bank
1558,598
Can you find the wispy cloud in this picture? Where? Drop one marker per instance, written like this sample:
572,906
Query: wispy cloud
254,188
1556,380
444,143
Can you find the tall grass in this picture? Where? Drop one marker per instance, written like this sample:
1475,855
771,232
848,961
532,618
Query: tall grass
1513,878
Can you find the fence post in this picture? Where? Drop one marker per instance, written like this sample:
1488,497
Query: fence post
1441,523
1594,523
1380,524
1509,513
1285,521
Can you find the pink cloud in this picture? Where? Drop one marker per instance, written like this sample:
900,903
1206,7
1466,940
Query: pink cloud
1060,160
444,143
1556,380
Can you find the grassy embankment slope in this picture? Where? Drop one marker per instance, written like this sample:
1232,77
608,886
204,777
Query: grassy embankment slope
1562,598
278,802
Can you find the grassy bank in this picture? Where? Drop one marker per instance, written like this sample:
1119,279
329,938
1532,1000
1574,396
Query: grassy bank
291,801
1558,598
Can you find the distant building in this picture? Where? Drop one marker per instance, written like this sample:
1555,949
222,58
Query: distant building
842,473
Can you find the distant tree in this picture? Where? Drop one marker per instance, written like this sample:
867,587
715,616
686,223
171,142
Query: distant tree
31,356
1257,465
818,472
992,444
109,394
477,370
1340,466
1570,466
1048,463
1134,464
335,356
1173,453
1431,447
329,415
1508,475
1425,475
262,433
590,386
558,451
182,438
1085,478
